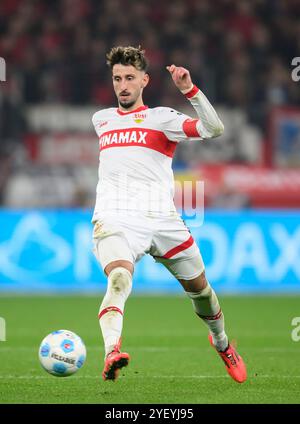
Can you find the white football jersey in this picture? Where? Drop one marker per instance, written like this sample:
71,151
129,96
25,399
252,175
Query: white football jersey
136,151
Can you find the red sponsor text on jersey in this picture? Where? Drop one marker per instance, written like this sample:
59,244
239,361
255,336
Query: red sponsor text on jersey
151,139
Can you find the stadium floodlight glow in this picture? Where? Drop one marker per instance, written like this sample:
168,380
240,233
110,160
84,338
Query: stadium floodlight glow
2,69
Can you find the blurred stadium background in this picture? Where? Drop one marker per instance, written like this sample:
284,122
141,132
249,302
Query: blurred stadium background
238,52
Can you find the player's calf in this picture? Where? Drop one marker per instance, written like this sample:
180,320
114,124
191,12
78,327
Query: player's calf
207,307
112,307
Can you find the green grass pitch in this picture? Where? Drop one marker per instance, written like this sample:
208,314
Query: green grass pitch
171,360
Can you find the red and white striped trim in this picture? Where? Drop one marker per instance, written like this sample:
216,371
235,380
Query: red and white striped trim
192,93
109,309
212,317
183,246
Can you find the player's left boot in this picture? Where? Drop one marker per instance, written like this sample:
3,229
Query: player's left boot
114,361
233,361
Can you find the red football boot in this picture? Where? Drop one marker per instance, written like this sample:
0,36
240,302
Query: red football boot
114,361
234,363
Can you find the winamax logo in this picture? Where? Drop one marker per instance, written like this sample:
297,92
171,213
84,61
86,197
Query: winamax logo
2,69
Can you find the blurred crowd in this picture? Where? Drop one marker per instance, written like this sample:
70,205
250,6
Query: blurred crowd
238,51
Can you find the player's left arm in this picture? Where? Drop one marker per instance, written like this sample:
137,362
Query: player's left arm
209,124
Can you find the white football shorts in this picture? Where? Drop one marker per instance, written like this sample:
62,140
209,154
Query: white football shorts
165,238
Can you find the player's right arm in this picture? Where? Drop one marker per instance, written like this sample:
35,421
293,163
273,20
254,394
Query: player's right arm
209,125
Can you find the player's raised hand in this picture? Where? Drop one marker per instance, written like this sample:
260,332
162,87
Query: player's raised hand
181,78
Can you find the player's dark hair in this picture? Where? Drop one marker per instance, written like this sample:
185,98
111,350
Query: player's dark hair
129,55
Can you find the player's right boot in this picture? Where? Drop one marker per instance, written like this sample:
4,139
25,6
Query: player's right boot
233,362
114,361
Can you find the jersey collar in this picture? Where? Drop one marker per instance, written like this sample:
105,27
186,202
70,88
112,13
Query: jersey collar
120,112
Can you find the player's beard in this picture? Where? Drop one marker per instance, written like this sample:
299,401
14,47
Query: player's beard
128,102
127,105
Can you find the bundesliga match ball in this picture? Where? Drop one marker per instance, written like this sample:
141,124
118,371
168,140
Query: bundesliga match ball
62,353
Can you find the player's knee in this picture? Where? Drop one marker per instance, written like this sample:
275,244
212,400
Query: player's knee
197,284
120,282
202,282
205,293
116,264
202,290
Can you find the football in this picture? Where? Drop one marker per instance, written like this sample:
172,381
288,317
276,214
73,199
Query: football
62,353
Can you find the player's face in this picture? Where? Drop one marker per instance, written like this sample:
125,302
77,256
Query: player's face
129,83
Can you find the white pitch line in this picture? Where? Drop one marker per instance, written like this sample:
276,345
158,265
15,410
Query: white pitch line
160,349
196,377
38,377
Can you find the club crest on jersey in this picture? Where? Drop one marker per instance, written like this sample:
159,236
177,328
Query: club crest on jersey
139,117
122,137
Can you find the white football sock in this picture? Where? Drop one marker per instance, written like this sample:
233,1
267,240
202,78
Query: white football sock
112,307
206,306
